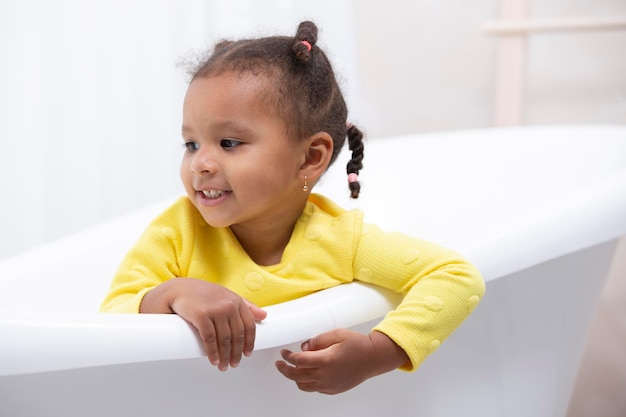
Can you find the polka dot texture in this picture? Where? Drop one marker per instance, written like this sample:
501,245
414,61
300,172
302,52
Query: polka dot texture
329,246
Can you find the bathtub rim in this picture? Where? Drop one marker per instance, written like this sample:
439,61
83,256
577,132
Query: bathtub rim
170,336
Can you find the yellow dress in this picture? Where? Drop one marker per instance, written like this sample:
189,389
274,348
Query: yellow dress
329,246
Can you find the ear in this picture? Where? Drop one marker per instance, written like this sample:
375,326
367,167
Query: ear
318,152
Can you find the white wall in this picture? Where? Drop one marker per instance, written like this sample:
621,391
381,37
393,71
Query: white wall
577,77
427,65
91,99
91,95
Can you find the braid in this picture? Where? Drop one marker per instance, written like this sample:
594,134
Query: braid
355,144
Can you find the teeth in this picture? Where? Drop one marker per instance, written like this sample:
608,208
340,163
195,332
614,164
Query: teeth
213,193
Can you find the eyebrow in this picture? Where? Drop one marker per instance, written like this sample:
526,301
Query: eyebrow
225,125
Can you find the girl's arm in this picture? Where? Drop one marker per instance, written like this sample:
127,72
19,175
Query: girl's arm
147,281
153,259
339,360
224,320
441,289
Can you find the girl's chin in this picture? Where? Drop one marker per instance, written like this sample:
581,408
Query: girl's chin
215,222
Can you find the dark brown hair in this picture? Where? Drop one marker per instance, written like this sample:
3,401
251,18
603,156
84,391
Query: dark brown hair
303,89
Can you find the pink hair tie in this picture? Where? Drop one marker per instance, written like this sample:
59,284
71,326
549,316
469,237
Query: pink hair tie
352,177
307,44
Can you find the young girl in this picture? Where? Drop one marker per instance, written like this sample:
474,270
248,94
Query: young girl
262,121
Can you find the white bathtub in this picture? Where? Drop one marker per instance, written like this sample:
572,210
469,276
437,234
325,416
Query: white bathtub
538,210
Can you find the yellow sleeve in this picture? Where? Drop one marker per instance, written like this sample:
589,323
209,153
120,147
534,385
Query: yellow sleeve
154,259
440,289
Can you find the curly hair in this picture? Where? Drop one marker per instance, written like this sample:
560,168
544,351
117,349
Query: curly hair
302,88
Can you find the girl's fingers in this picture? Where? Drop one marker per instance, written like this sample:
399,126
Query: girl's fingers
223,342
249,330
237,340
208,336
228,337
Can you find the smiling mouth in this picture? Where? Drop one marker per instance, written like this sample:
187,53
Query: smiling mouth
213,194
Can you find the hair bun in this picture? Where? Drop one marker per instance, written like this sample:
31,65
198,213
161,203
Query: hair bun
306,37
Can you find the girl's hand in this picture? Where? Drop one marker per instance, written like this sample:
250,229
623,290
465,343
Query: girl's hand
339,360
225,321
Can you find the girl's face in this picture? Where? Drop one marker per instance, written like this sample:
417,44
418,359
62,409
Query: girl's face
239,168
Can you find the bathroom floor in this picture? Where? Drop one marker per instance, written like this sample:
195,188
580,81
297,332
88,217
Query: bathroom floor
601,387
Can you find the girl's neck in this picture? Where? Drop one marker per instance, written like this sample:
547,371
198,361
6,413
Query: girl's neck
264,244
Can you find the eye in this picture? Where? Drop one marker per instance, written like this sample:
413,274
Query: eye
191,146
229,143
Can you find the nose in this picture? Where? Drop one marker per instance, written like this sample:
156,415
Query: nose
203,162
